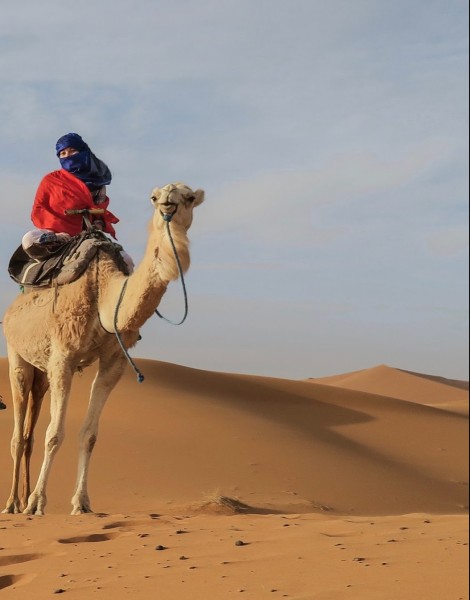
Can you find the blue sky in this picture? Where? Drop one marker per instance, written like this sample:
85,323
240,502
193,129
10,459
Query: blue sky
330,137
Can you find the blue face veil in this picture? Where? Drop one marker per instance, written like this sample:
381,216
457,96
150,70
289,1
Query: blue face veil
84,164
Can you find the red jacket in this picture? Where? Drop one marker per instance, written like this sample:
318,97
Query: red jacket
60,190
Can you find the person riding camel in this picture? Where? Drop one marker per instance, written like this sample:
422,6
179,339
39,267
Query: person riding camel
79,184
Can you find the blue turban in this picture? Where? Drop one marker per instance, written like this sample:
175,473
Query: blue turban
70,140
84,164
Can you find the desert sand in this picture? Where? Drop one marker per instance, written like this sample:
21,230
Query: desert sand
211,486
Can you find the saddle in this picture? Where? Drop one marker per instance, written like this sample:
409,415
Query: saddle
63,262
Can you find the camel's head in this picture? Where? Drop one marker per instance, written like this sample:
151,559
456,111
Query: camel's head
175,202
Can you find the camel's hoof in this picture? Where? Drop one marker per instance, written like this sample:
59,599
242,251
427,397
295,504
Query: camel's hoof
33,509
81,510
12,508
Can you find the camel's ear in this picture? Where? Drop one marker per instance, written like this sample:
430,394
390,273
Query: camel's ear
199,197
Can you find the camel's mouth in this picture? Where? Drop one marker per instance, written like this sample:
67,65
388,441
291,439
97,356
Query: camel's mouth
167,209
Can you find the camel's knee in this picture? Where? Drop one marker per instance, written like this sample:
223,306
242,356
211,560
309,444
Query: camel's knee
91,443
54,442
87,442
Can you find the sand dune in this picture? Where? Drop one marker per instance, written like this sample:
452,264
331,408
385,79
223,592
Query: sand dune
185,434
343,473
448,394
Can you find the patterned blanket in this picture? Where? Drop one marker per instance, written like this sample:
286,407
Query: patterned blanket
64,263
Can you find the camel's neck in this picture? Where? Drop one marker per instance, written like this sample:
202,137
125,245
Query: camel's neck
147,284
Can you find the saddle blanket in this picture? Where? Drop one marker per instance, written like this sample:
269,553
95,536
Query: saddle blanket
65,262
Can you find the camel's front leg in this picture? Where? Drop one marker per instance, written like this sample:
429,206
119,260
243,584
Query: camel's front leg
109,373
60,378
21,380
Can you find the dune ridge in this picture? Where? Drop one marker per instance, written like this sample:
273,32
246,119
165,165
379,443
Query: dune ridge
439,392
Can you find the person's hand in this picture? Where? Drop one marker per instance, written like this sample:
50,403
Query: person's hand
63,237
99,224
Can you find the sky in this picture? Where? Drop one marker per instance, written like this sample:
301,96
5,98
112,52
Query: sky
330,138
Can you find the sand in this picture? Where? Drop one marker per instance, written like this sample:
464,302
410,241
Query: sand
209,485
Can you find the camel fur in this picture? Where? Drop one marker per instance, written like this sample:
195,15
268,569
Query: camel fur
53,332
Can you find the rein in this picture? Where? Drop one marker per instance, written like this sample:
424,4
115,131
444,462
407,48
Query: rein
140,377
167,218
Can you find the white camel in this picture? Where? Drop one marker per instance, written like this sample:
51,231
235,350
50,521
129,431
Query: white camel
53,332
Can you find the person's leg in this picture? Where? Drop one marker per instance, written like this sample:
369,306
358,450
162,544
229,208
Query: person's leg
37,243
128,260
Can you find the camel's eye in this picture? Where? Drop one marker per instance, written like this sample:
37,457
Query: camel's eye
153,198
190,198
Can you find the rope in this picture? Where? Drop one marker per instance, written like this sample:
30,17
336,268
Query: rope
167,218
140,378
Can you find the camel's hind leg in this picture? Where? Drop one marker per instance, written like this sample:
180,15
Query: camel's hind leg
21,381
39,388
110,371
60,380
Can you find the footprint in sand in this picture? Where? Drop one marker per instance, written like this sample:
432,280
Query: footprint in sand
94,537
15,559
7,581
126,525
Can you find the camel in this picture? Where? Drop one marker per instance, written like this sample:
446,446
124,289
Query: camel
54,332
